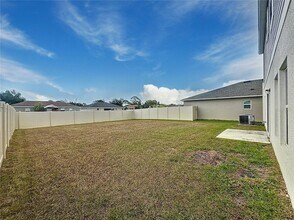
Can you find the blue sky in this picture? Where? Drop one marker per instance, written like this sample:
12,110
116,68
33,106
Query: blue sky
88,50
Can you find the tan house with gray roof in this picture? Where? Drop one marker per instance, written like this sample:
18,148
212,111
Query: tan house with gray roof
28,106
228,103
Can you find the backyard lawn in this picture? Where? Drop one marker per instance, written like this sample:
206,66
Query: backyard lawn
140,170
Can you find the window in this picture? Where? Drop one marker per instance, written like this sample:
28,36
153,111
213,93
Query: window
269,18
277,105
284,106
247,104
271,13
286,109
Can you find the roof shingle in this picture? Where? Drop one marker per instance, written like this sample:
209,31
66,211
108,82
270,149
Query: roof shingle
249,88
44,103
103,105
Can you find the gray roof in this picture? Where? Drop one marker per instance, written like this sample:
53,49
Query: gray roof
103,105
251,88
44,103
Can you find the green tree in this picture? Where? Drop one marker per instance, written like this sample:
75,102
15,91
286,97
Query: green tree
39,108
150,103
99,100
77,104
119,102
136,101
11,97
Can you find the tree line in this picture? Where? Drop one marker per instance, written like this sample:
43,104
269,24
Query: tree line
135,101
13,97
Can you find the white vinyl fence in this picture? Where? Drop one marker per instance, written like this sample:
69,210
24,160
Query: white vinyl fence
7,127
11,120
185,113
47,119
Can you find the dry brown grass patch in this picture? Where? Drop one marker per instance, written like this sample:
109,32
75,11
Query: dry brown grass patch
208,157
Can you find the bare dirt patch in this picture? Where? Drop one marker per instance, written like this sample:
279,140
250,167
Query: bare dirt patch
243,173
263,172
260,172
210,157
240,201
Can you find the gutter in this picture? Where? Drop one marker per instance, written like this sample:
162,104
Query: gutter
220,98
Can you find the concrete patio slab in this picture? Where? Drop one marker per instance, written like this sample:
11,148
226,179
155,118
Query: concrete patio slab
245,135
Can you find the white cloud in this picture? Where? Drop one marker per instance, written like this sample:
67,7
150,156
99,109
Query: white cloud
59,88
155,71
231,82
15,72
232,10
14,36
106,31
157,67
229,47
234,56
180,8
90,90
31,96
249,67
236,10
166,95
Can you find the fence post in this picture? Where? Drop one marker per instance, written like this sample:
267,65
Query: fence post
50,118
2,131
6,120
74,117
141,114
18,115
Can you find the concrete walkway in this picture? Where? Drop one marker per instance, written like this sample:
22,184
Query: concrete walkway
245,135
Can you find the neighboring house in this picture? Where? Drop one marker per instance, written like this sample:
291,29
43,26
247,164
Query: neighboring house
276,43
228,103
28,106
104,106
131,107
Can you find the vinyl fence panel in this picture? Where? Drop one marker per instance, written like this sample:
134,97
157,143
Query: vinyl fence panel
62,118
7,127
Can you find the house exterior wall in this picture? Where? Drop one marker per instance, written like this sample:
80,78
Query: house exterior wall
270,39
31,108
101,108
227,109
275,62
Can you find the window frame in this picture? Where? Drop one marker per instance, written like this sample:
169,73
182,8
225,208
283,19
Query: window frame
250,104
269,18
286,107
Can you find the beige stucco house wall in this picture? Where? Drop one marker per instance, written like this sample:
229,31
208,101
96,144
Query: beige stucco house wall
227,109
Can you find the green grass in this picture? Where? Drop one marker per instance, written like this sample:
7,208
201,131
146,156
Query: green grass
139,170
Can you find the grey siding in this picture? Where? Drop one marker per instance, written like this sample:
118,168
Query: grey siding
269,44
275,114
226,109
